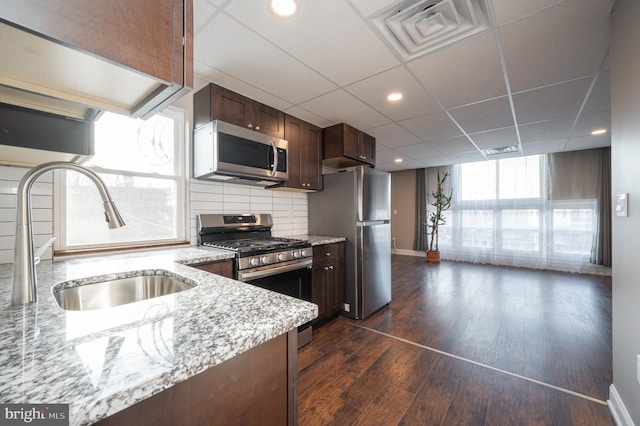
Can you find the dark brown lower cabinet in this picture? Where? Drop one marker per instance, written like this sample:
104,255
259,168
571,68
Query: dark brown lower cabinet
327,281
220,267
257,387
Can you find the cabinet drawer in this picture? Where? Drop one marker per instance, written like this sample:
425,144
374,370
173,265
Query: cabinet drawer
326,253
221,267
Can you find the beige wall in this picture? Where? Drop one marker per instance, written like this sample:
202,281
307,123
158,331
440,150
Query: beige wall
625,177
403,208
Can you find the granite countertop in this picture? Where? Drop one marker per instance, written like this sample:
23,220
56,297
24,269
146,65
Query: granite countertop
103,361
318,240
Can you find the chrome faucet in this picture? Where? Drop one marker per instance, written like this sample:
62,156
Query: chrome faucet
24,288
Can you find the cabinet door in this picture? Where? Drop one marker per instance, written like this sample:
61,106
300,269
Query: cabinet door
319,291
311,161
231,107
368,149
268,120
293,132
352,142
334,289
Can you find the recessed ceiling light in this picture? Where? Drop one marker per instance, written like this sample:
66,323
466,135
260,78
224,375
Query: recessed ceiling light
283,7
599,132
398,160
394,97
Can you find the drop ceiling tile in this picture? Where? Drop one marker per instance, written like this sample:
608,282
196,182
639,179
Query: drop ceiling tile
392,136
512,10
453,146
202,11
418,151
308,116
374,7
588,142
445,160
345,38
560,101
481,116
465,72
543,147
591,121
545,130
386,155
432,127
561,43
340,106
600,97
374,90
256,62
495,138
205,72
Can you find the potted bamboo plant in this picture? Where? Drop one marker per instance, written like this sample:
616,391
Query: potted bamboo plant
435,218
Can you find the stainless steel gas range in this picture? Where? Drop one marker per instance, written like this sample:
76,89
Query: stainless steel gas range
279,264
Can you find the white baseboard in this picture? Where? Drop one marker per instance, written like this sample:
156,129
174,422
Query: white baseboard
617,408
408,252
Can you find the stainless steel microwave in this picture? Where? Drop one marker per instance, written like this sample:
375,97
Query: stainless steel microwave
223,151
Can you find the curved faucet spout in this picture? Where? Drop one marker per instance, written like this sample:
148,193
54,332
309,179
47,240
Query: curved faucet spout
24,288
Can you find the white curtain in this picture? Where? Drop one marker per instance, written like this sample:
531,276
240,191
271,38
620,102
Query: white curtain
538,211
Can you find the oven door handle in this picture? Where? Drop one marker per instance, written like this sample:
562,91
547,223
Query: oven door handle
252,275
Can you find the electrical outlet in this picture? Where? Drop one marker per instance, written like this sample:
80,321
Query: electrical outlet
347,307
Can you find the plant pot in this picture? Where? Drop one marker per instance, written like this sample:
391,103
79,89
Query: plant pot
433,256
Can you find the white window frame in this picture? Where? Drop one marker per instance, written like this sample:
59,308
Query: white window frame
182,229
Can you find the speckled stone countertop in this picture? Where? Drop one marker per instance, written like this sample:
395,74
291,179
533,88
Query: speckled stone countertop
103,361
318,240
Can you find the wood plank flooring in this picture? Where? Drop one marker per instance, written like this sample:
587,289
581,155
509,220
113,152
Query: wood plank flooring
465,344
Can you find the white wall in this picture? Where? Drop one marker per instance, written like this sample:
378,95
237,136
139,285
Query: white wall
289,209
42,213
625,176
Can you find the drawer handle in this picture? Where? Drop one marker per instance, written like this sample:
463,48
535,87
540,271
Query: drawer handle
331,267
328,254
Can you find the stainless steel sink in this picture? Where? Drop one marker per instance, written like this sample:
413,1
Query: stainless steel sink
115,292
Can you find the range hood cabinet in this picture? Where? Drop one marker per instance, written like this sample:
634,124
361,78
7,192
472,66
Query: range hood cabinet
29,137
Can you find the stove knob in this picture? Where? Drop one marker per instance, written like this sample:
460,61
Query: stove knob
265,260
255,261
282,257
305,253
296,254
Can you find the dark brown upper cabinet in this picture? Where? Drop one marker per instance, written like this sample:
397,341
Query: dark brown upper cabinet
130,57
214,102
346,146
305,147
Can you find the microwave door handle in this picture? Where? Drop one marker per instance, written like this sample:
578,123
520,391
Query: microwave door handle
275,157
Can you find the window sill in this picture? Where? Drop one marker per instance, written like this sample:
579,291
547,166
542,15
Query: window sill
65,254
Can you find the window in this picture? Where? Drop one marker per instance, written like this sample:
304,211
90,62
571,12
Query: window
141,164
501,210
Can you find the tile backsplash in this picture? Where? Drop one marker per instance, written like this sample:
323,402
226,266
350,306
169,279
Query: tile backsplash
289,209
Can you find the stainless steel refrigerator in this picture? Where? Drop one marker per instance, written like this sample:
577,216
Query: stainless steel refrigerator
356,204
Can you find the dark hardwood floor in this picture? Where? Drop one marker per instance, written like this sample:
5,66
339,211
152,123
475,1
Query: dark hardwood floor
465,344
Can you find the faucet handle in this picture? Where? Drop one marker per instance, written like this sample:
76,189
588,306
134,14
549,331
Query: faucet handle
38,253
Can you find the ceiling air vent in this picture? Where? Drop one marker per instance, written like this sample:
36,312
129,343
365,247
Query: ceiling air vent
417,27
502,150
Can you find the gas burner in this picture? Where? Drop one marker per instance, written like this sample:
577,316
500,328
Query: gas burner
249,236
